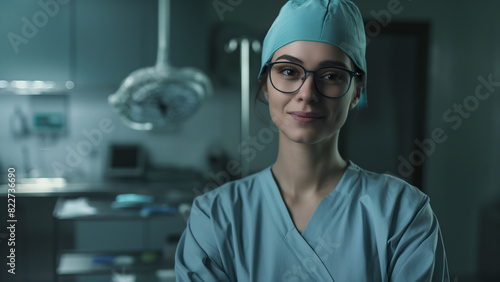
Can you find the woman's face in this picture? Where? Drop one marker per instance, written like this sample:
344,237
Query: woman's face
292,112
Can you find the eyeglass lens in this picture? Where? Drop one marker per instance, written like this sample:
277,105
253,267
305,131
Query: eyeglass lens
330,81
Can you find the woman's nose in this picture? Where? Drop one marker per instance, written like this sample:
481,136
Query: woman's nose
308,91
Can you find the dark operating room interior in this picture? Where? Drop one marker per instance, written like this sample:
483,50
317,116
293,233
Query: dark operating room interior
99,165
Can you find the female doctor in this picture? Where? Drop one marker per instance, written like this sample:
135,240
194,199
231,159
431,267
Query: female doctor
312,216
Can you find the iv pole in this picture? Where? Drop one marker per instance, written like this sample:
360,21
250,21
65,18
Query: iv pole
245,45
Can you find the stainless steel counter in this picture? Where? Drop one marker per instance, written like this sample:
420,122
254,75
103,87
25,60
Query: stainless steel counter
176,191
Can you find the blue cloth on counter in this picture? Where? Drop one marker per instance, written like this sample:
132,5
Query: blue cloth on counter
134,198
123,201
158,209
371,227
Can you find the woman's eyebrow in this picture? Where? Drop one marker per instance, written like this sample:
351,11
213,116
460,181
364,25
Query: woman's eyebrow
290,58
327,63
330,63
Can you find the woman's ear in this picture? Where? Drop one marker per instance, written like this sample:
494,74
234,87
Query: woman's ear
356,98
266,94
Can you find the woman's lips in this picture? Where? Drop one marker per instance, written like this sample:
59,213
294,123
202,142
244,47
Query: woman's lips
306,116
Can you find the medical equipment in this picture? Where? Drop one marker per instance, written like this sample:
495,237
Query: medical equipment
161,95
246,45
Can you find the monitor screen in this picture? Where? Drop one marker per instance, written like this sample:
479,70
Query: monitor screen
125,161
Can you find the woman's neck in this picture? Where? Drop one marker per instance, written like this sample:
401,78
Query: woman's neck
302,169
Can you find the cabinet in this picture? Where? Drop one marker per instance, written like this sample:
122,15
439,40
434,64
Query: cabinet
96,247
35,41
96,43
33,238
113,38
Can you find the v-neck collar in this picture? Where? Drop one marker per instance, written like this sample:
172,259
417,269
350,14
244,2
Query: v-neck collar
275,200
302,245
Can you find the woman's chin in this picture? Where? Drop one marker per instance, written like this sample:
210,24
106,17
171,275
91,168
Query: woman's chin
308,139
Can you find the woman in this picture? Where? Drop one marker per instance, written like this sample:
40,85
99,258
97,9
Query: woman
312,216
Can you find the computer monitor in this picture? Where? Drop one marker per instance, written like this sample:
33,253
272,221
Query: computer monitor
125,161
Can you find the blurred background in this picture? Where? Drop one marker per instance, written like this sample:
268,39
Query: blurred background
98,199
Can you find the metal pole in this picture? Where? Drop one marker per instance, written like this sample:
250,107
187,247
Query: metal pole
245,44
245,99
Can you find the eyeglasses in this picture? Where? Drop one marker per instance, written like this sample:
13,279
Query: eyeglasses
331,82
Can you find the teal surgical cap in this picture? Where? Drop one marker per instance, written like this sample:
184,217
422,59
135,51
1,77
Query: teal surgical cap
337,22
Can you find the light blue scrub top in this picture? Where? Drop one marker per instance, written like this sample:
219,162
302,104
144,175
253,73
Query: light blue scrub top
371,227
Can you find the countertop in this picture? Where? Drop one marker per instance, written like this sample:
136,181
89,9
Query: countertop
177,191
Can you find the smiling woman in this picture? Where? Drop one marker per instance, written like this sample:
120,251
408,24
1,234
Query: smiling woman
294,95
313,216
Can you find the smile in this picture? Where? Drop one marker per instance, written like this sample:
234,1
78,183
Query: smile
306,116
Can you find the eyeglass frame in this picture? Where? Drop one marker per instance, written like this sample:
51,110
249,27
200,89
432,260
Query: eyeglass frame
352,74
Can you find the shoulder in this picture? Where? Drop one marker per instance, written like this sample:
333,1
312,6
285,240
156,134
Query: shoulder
386,191
230,195
394,206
